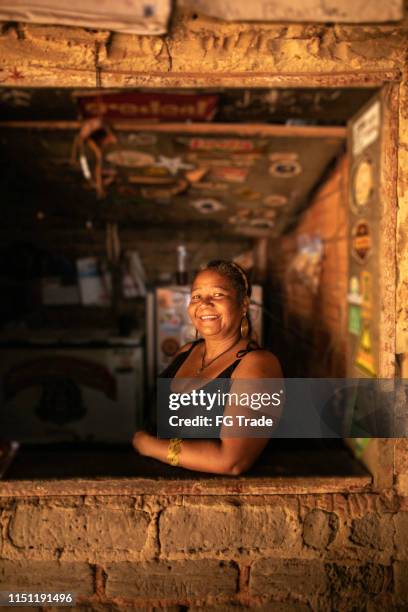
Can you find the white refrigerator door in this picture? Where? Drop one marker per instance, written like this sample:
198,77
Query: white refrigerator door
173,325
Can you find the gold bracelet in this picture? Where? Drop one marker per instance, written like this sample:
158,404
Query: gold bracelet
174,451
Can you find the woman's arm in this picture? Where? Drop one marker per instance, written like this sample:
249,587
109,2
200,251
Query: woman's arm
231,456
228,455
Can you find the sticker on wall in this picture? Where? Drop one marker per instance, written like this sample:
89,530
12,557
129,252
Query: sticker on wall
164,193
275,200
129,158
366,128
283,156
354,319
246,193
142,139
218,144
155,171
366,292
245,159
359,445
137,179
230,174
362,185
285,168
262,223
172,164
353,296
170,346
207,205
365,357
361,241
194,176
269,214
210,186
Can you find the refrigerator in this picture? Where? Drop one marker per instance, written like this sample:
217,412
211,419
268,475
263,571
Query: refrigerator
169,326
71,386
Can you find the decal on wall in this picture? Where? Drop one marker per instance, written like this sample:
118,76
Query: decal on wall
354,309
366,292
172,164
365,357
164,193
246,193
366,128
210,186
285,168
207,205
230,174
361,241
354,319
155,171
144,105
129,158
262,223
218,144
362,184
143,139
170,346
275,200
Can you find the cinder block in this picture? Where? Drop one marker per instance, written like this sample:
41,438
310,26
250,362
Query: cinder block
352,578
373,531
46,576
217,528
271,577
182,580
82,528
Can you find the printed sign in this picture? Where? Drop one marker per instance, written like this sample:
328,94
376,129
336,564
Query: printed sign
354,319
248,194
220,144
354,296
129,158
366,292
365,357
285,168
366,128
363,181
153,106
361,241
275,200
207,205
230,174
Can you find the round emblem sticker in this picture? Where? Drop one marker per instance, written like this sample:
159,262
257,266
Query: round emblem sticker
170,346
363,180
361,241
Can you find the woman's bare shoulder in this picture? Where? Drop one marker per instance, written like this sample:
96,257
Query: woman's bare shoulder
183,349
258,364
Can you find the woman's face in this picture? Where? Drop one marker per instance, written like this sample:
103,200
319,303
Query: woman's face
214,309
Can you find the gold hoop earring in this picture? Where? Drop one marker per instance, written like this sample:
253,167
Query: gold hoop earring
244,326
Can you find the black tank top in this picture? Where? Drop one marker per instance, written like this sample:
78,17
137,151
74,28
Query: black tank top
178,361
175,365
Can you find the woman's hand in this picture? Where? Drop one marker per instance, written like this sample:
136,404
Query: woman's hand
140,441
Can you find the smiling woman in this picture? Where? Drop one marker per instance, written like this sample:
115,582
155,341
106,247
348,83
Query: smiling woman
218,309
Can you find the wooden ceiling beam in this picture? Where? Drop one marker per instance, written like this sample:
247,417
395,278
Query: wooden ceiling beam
233,129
